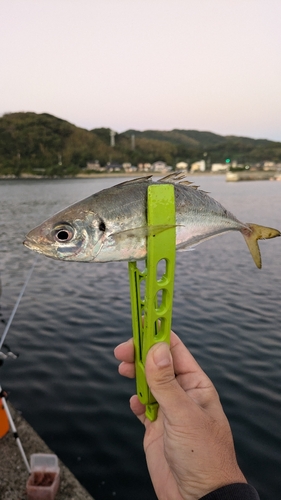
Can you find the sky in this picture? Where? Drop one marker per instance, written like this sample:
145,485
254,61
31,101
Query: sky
209,65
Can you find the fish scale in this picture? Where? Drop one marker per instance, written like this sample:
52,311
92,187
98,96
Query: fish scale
111,225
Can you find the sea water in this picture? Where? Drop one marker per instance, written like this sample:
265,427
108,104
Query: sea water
72,315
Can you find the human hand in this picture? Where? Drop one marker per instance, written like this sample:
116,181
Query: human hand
189,448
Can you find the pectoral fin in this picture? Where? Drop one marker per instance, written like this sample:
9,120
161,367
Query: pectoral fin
252,234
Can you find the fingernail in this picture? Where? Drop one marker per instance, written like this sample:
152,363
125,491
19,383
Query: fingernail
161,355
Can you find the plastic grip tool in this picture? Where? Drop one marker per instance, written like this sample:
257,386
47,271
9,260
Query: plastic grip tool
152,289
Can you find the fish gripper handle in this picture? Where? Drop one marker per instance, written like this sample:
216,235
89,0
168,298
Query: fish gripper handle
151,290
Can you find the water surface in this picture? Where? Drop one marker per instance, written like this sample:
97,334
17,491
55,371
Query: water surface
72,316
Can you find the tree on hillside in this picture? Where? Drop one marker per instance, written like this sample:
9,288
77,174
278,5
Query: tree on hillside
44,144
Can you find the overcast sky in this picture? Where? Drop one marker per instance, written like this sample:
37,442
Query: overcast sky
145,64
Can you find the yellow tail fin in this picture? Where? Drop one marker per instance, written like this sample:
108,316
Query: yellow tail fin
254,234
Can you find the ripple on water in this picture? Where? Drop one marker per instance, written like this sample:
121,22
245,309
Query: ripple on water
72,316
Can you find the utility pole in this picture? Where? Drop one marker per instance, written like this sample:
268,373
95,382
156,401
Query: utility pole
112,138
133,142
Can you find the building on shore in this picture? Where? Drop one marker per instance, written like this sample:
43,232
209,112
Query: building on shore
144,167
182,165
114,167
198,166
94,166
161,166
128,167
219,167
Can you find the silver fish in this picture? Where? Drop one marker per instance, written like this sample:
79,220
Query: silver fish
111,225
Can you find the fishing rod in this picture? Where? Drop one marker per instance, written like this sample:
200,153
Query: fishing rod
2,393
14,430
17,303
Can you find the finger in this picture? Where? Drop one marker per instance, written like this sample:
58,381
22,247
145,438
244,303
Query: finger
190,375
125,351
172,398
137,408
127,369
182,359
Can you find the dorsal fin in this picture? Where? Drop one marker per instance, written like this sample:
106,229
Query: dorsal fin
173,177
176,177
138,179
187,183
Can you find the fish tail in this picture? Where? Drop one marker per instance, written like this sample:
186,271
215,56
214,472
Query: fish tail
252,234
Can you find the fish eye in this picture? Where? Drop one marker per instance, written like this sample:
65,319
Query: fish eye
64,234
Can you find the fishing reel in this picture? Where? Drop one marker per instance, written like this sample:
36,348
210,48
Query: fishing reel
8,354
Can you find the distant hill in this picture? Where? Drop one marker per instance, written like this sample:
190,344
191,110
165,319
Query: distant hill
191,145
188,138
195,138
44,144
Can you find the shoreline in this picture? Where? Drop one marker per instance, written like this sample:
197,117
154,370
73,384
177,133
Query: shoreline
13,472
230,176
103,175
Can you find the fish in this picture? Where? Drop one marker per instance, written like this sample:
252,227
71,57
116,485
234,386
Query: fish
111,225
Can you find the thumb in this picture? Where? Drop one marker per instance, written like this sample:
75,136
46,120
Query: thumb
161,379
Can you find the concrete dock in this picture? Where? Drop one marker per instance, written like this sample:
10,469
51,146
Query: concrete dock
13,473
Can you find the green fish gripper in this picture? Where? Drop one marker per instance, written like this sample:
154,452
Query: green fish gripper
151,290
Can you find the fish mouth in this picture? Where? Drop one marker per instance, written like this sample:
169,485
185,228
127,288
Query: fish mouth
30,243
27,242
